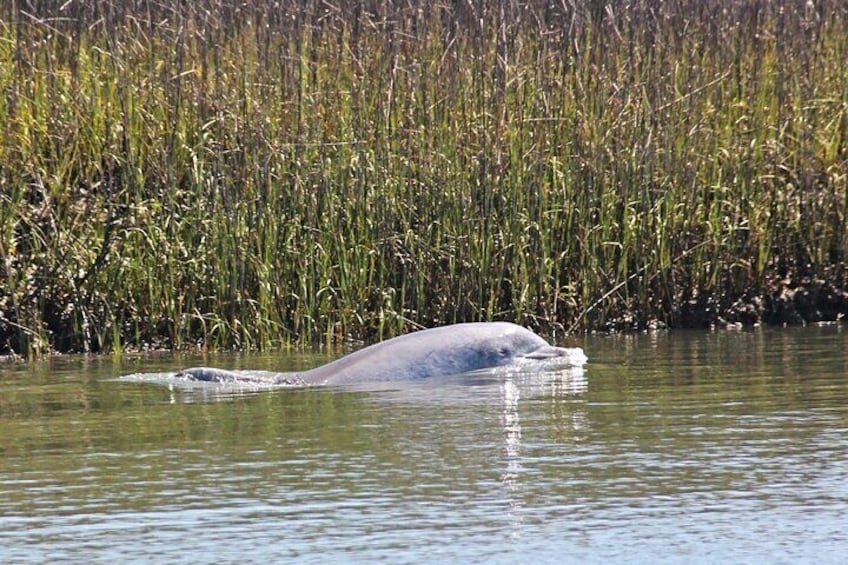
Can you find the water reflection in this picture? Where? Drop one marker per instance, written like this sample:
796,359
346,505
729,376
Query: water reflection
511,422
553,388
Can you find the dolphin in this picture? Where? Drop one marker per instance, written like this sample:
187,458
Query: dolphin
442,351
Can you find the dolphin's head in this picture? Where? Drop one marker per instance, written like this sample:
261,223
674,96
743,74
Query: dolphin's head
515,344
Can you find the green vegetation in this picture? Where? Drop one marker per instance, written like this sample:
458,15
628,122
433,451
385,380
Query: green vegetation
240,174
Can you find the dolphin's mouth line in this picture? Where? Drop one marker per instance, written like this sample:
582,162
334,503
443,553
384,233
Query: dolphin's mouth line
548,352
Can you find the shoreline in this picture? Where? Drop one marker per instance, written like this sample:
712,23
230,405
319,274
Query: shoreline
810,303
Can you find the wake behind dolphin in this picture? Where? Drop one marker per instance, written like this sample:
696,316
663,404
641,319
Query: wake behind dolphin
442,351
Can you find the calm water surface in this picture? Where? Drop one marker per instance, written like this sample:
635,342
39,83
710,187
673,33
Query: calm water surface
677,447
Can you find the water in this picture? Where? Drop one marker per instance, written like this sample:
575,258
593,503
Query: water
672,447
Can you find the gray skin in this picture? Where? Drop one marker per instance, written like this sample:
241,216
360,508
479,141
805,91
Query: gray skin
446,350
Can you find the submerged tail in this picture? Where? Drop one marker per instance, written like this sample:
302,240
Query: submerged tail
213,375
208,374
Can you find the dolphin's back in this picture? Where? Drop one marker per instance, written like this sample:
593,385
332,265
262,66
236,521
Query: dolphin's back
446,350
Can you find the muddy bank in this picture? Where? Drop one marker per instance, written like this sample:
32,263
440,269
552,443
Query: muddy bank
785,302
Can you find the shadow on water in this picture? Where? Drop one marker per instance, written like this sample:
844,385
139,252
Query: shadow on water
724,446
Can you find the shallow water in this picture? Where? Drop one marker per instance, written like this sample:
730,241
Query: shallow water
671,447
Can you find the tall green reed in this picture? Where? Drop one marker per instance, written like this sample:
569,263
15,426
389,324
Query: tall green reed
223,174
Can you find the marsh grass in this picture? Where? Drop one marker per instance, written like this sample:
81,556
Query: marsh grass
242,175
